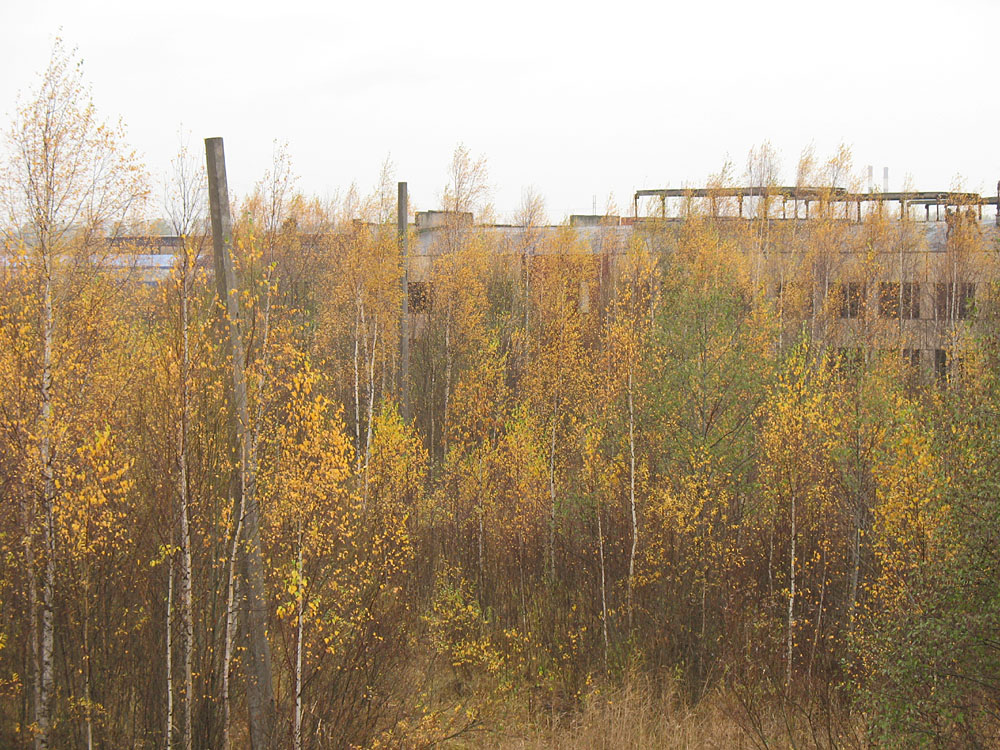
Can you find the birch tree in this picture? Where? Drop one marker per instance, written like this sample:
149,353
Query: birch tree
69,182
185,200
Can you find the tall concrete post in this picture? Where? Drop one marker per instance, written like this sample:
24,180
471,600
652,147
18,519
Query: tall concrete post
260,688
402,214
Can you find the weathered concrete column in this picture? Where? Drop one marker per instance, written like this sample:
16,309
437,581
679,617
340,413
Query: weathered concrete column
402,214
260,689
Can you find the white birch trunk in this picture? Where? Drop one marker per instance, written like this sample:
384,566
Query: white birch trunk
447,385
43,717
88,714
481,511
28,511
297,739
231,615
855,570
791,605
819,618
168,729
552,501
187,607
631,496
357,383
371,413
604,590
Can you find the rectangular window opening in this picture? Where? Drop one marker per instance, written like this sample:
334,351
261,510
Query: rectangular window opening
419,296
888,299
852,299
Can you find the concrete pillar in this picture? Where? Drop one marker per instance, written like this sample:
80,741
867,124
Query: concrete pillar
402,230
260,687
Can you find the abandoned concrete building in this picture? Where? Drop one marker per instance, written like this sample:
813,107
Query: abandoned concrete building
901,272
862,272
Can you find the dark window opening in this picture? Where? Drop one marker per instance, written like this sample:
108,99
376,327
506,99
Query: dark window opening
910,300
954,301
849,360
419,296
888,299
897,300
941,364
852,299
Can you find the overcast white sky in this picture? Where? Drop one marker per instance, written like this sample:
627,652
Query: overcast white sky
574,99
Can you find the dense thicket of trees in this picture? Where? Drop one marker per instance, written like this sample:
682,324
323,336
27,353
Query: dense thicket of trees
665,453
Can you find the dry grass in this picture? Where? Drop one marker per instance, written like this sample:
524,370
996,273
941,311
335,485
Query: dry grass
636,716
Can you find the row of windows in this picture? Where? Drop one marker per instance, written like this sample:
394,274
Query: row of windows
420,296
897,300
851,359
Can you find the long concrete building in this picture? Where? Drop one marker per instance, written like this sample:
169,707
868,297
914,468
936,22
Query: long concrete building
903,271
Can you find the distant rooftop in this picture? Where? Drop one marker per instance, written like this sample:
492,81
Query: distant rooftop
807,194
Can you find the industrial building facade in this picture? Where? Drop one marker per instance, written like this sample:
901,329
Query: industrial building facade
860,273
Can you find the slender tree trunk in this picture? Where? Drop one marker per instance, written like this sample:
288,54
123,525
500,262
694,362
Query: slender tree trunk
231,621
88,714
819,617
852,602
704,608
357,383
187,626
791,605
385,366
447,385
297,740
520,572
781,310
168,730
527,288
187,606
631,495
433,400
481,512
371,413
604,591
552,500
770,561
43,715
28,511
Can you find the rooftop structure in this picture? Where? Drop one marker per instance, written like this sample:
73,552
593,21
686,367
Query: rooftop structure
840,196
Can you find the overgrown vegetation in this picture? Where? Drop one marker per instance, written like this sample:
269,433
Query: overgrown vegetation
658,487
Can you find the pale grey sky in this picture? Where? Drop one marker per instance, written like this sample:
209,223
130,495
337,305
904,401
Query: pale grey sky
574,99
